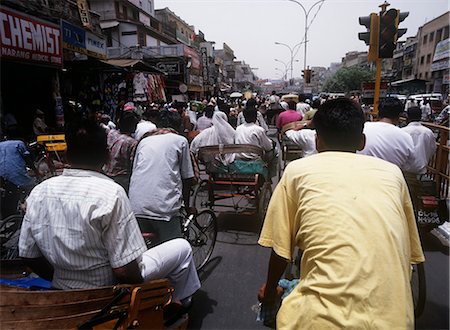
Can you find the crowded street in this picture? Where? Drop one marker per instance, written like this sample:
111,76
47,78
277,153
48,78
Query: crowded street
264,164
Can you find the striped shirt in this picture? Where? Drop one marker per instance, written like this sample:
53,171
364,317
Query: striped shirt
82,223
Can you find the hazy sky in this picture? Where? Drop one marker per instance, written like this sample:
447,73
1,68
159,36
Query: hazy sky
251,27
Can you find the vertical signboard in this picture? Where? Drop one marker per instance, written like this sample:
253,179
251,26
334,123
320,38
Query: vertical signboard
29,39
205,64
83,9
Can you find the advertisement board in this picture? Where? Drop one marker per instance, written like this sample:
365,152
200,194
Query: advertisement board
29,39
81,41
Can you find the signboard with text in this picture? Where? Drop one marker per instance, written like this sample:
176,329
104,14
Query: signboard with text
29,39
81,41
171,68
204,59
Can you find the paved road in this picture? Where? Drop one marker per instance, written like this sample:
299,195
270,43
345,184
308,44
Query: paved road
238,267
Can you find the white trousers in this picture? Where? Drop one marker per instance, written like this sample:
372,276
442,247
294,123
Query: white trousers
172,260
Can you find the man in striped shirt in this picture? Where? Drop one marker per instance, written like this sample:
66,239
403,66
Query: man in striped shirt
79,230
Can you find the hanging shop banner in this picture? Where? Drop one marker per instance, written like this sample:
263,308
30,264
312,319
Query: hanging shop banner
29,39
83,9
204,57
195,60
81,41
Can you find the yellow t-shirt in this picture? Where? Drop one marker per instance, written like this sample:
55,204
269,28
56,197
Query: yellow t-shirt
352,217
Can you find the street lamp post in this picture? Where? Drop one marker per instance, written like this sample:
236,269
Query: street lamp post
285,67
291,50
306,12
283,73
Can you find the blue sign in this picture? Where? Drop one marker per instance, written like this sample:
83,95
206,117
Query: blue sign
73,37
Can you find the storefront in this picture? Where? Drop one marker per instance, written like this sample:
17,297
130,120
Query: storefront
31,58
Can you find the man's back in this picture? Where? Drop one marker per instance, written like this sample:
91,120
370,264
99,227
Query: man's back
287,117
160,164
388,142
352,217
424,144
143,127
250,133
82,223
12,163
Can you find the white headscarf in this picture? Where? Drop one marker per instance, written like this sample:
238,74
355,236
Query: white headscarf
220,133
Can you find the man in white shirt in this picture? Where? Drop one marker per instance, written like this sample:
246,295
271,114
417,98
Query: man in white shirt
302,107
79,230
250,133
387,141
145,125
305,138
251,103
161,179
425,147
425,108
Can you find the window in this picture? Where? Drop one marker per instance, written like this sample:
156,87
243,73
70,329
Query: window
135,15
129,33
431,36
422,59
426,75
420,75
424,39
124,12
428,58
446,33
438,35
108,38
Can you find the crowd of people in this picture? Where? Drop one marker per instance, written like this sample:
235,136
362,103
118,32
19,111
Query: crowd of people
82,229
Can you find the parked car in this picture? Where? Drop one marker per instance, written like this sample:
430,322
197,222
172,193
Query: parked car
443,116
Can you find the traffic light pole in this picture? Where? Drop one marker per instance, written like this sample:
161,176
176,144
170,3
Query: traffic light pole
376,95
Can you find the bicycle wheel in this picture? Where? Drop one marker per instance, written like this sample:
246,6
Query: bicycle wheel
418,288
9,236
263,201
45,168
201,196
202,234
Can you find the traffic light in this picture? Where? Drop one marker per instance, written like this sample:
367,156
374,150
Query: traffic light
307,76
370,37
389,31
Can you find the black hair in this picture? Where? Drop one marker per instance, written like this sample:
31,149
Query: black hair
315,104
86,144
128,122
291,104
390,107
170,119
251,103
274,92
339,123
209,111
302,98
414,114
250,114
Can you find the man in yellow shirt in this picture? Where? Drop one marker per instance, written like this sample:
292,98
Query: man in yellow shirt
352,217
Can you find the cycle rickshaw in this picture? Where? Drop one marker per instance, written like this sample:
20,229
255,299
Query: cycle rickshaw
242,186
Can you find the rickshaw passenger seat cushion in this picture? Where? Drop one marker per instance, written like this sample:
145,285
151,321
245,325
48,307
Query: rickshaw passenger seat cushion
239,169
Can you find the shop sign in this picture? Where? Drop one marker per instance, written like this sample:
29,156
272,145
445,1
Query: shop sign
195,60
441,65
83,10
27,38
171,68
446,78
442,50
204,57
95,46
82,41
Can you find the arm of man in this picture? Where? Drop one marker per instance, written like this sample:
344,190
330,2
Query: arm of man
130,273
277,266
40,266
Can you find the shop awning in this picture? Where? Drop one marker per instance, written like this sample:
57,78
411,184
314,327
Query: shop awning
133,64
406,81
108,25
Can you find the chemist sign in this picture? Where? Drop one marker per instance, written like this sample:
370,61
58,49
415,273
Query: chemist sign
29,39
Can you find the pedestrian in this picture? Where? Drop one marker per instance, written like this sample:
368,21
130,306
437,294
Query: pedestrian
352,217
161,179
302,107
145,124
79,230
39,125
426,110
288,116
424,148
121,147
251,104
205,121
385,140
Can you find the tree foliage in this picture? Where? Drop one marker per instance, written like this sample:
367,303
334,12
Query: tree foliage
348,79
